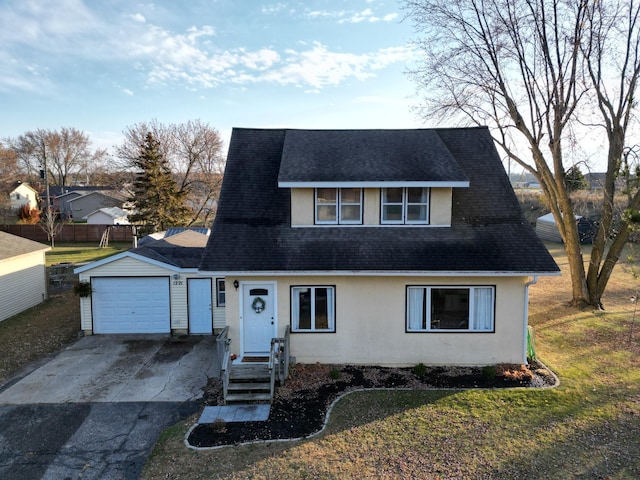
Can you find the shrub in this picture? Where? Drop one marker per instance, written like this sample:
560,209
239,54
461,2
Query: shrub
334,374
28,215
420,370
490,371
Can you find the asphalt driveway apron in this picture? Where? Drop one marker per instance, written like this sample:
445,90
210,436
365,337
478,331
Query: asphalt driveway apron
95,410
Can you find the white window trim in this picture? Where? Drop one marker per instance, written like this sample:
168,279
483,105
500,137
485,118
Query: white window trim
428,288
338,204
405,204
332,310
218,303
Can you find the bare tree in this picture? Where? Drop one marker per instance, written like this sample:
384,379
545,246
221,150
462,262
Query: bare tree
613,45
66,152
194,153
517,66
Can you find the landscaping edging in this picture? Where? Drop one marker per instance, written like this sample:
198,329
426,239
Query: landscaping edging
327,415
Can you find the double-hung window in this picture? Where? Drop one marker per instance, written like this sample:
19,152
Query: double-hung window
313,309
409,205
338,206
433,309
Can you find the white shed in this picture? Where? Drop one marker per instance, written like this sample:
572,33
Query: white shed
152,289
108,216
23,273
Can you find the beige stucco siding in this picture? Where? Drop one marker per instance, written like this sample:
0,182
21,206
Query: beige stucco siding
303,204
23,283
131,267
371,324
440,209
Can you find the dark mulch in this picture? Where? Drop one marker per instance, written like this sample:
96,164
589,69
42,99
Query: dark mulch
299,407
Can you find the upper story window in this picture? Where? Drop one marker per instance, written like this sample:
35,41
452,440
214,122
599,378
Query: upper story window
408,205
338,206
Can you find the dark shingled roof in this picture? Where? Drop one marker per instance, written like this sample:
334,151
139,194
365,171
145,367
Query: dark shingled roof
182,250
367,156
252,230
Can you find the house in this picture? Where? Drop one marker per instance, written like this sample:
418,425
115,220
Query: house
108,216
153,289
23,194
389,247
88,203
61,198
23,276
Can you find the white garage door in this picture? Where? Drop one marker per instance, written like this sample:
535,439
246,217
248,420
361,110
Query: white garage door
130,305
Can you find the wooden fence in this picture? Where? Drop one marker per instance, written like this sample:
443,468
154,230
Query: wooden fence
72,232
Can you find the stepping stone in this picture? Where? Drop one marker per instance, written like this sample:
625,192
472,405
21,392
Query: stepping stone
235,413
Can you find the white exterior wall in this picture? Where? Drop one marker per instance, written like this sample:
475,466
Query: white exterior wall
371,323
23,283
131,267
27,195
101,218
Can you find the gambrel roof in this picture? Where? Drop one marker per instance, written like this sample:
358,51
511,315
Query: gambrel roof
252,231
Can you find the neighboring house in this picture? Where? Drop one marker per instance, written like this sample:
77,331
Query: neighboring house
88,203
61,203
389,247
153,289
108,216
152,237
23,276
23,194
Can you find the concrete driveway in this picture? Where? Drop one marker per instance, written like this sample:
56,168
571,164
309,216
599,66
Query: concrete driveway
95,410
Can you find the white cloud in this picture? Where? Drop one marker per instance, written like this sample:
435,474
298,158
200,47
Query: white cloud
367,16
190,58
137,17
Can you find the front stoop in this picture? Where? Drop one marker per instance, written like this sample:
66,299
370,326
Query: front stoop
249,383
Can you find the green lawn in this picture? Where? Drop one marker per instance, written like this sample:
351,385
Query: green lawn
83,252
589,427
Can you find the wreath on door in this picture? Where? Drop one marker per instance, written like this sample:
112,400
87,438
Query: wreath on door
258,305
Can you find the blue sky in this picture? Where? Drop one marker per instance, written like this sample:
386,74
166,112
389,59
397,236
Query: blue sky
100,66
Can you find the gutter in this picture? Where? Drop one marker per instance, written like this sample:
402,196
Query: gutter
526,316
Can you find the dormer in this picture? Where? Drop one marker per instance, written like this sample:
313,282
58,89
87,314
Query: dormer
369,178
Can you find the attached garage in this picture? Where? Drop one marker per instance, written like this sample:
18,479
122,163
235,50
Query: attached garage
155,288
131,305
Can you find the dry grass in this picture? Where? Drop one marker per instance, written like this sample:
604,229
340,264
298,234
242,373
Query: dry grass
587,428
37,332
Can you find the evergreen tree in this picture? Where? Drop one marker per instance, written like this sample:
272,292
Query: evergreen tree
157,201
575,180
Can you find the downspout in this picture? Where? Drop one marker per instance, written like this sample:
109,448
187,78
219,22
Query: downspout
526,316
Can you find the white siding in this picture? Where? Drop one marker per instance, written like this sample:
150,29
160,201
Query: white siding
131,267
23,283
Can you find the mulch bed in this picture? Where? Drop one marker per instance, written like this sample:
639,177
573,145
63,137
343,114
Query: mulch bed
300,406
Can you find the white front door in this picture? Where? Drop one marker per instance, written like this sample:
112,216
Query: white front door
258,317
200,318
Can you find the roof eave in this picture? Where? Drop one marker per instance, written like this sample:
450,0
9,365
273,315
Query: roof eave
378,273
375,184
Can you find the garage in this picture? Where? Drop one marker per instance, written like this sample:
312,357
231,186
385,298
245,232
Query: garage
131,305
